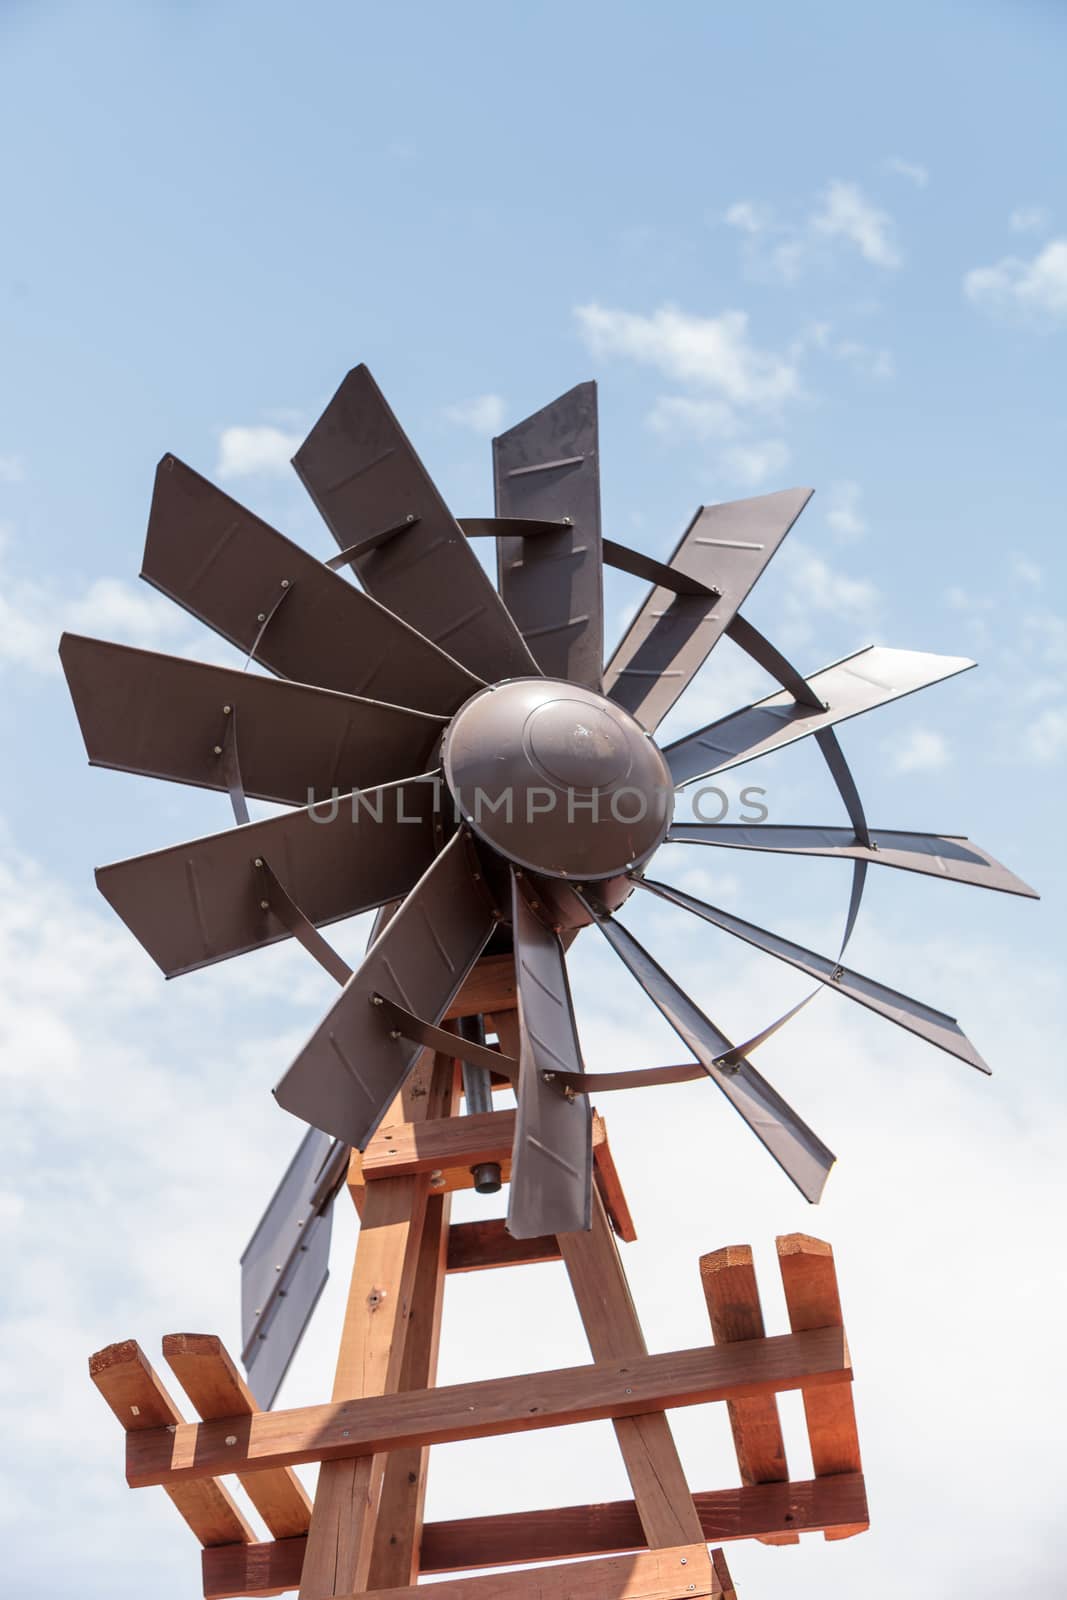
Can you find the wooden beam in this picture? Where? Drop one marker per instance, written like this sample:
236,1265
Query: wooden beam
341,1539
126,1379
490,986
350,1429
728,1279
562,1534
811,1296
206,1372
664,1503
398,1531
722,1574
684,1573
610,1184
446,1149
475,1246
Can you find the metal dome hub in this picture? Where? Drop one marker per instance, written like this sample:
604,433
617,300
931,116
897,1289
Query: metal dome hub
557,778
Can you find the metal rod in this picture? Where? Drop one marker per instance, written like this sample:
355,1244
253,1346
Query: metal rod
478,1094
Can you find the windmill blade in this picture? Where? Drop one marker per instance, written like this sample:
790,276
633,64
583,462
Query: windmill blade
286,1262
552,1158
166,717
548,468
358,466
726,547
352,1066
934,1026
949,856
798,1151
276,602
872,677
201,902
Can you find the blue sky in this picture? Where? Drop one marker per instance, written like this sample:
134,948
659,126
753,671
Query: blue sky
822,245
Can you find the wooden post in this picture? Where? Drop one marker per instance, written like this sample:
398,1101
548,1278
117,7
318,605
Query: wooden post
370,1361
664,1503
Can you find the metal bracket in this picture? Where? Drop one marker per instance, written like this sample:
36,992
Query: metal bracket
767,656
511,527
353,552
265,618
275,897
406,1025
657,572
231,766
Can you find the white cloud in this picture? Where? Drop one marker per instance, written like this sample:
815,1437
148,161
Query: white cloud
1025,570
1029,219
675,414
11,469
871,361
1036,289
914,171
714,353
484,414
846,213
753,463
747,216
843,512
33,615
246,452
1045,739
923,750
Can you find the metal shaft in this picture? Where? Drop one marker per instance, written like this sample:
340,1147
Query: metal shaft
478,1095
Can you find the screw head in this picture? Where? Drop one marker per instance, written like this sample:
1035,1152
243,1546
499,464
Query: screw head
261,616
226,710
218,749
258,862
264,905
285,583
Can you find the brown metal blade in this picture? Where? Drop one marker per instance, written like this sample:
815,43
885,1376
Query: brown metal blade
362,473
949,856
552,1157
200,902
799,1152
928,1023
871,677
165,717
229,568
548,468
352,1066
725,546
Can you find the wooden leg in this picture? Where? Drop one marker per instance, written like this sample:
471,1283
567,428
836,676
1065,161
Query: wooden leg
380,1299
664,1502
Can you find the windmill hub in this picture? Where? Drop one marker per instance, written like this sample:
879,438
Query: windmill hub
558,778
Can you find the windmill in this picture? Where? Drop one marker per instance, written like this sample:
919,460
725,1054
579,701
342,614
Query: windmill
480,777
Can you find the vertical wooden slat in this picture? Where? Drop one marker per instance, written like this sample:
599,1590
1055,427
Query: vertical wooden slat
811,1295
664,1502
728,1278
128,1382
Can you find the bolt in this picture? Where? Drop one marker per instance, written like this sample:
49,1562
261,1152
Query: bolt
548,1077
376,1000
226,710
218,749
629,1391
394,1033
231,1438
685,1561
258,862
410,517
344,1433
437,1180
264,905
285,583
261,616
567,522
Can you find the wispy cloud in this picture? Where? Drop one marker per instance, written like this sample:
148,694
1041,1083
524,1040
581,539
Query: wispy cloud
1035,290
262,450
483,414
914,171
714,353
754,463
1045,738
11,469
922,750
842,215
843,513
1029,219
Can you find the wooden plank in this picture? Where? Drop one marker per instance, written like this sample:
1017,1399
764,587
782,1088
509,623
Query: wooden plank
398,1531
609,1183
611,1324
722,1575
341,1539
490,986
811,1296
353,1428
683,1573
446,1148
728,1279
475,1246
563,1533
128,1382
206,1372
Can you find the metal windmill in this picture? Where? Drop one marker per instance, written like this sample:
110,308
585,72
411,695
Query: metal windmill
492,786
